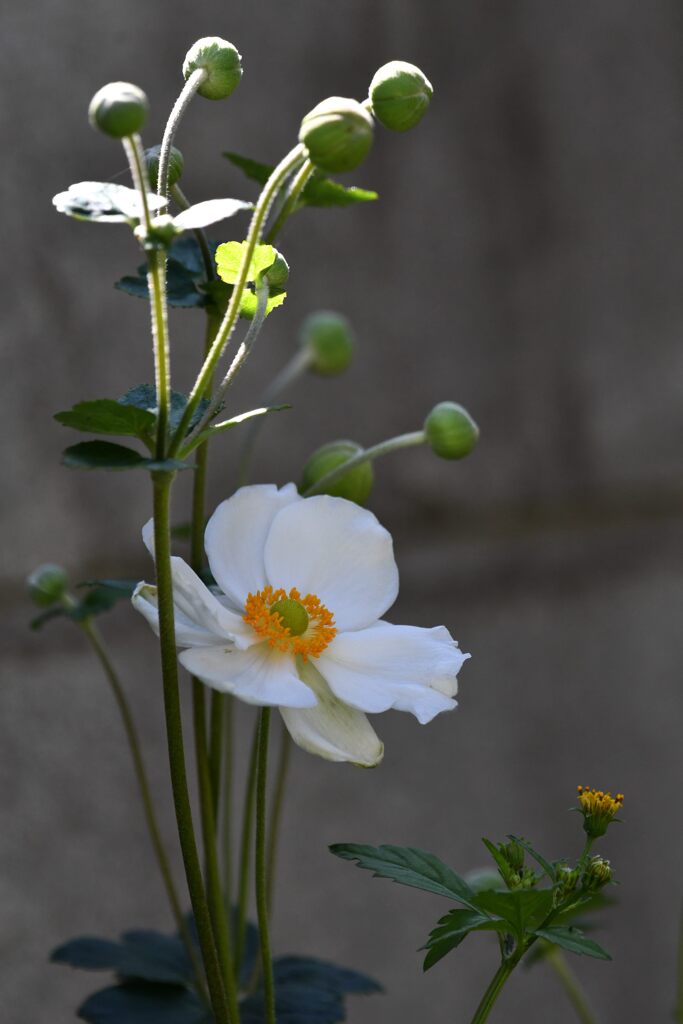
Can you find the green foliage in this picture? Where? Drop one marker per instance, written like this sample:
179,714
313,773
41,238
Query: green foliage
548,868
100,597
453,929
319,190
107,416
144,396
234,421
229,259
105,455
104,201
574,941
522,909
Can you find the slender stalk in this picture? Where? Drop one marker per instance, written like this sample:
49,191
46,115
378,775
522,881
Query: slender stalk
493,991
383,448
176,748
216,723
200,235
295,190
97,643
132,145
245,853
276,810
179,107
296,366
217,911
261,209
261,867
570,984
226,800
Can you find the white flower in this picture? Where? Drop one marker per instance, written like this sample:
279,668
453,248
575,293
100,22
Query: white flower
297,624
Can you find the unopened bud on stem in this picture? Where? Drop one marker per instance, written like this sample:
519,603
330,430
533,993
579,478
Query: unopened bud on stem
355,485
400,95
175,166
337,134
330,340
118,109
221,62
47,584
451,432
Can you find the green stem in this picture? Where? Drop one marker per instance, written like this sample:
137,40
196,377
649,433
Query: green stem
493,990
179,107
290,202
156,275
93,634
200,235
216,717
261,867
245,853
176,748
226,801
217,910
261,209
570,984
132,144
368,454
276,810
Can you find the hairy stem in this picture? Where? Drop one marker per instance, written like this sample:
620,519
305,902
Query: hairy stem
493,991
175,117
295,190
261,866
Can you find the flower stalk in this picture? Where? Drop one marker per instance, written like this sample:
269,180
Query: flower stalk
261,867
175,117
394,444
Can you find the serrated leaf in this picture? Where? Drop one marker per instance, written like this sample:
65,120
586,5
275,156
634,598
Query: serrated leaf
319,190
104,201
144,396
105,455
209,212
144,1003
539,858
229,259
452,930
504,868
409,866
107,416
249,302
574,941
523,909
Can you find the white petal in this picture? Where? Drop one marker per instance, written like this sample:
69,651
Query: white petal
257,676
187,633
331,729
236,535
148,536
334,549
193,598
401,667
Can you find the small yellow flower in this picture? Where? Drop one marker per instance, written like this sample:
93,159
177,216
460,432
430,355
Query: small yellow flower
598,808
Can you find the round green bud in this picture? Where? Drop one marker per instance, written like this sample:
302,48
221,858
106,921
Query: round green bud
222,62
118,109
293,614
330,340
354,485
597,874
47,584
400,95
175,166
451,431
277,274
337,134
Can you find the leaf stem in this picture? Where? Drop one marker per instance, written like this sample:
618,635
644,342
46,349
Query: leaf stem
493,991
394,444
285,167
295,190
179,107
570,984
176,748
261,866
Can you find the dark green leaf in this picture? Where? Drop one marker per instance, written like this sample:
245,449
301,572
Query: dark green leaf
309,970
522,908
141,955
107,416
545,864
452,930
319,191
308,991
88,953
234,421
573,941
105,455
181,288
143,1003
103,201
120,588
52,613
409,866
504,868
144,396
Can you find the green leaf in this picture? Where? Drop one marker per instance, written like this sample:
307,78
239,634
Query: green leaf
104,201
229,259
107,416
453,929
248,303
409,866
234,421
181,288
143,955
142,1003
144,396
319,191
545,864
504,868
523,909
105,455
574,941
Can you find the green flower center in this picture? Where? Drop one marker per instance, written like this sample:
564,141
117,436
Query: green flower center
293,615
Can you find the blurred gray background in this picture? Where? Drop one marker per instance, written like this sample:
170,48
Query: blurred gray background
524,259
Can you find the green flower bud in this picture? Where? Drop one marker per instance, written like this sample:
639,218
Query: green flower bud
400,95
47,584
513,853
277,274
337,134
354,485
118,109
451,431
175,166
330,338
222,62
597,874
567,879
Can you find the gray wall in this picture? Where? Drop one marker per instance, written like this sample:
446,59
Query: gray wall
525,260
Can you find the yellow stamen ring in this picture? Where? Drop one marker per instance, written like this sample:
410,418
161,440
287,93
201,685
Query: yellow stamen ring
596,801
263,611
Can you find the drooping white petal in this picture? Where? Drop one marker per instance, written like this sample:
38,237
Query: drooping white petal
148,536
257,676
334,549
403,667
236,535
332,729
187,633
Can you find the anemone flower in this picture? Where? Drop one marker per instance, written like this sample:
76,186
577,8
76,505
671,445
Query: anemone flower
295,620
